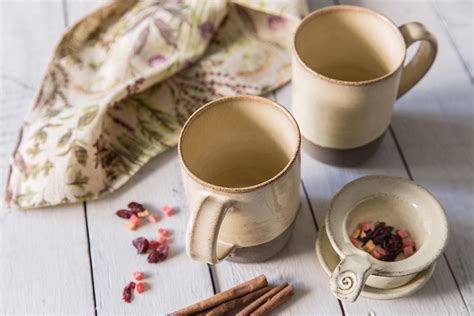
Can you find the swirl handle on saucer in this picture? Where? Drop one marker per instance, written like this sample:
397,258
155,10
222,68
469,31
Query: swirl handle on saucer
349,277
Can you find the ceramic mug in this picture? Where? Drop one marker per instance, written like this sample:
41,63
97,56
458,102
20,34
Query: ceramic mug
398,202
348,70
240,160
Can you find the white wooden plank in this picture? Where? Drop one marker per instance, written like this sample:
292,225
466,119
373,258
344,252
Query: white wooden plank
44,263
76,9
457,17
174,283
296,264
434,125
323,181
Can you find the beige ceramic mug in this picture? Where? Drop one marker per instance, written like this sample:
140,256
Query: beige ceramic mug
240,159
348,70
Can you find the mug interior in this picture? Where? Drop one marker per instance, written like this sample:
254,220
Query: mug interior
350,44
239,142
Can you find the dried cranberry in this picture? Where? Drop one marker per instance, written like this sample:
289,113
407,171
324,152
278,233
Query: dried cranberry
135,207
159,254
127,292
153,257
153,244
380,233
393,247
141,243
124,213
164,251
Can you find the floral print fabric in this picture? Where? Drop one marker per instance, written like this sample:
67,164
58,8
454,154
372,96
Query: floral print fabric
124,79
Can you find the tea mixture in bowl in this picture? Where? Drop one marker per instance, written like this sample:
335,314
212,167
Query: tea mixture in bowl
383,242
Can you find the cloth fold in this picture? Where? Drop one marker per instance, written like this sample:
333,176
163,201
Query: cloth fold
124,79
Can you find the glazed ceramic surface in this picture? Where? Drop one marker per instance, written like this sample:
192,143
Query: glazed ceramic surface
240,161
348,71
374,287
398,202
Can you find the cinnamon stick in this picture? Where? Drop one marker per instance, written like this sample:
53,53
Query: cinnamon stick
237,302
260,301
232,293
275,301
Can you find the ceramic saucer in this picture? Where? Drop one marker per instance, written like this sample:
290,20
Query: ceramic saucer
329,260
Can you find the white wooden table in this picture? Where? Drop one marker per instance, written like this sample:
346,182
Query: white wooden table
77,258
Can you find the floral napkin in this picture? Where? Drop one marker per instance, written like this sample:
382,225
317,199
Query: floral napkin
124,79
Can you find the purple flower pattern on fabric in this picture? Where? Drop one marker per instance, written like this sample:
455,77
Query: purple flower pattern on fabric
156,60
206,29
276,22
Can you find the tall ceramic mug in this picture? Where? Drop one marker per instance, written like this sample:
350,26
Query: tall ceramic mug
348,70
240,160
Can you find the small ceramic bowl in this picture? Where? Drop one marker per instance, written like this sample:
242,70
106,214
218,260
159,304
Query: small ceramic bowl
398,202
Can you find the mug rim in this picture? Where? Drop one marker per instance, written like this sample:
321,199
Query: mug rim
359,10
224,100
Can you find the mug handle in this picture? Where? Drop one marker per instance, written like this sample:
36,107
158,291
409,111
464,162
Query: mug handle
203,230
349,277
424,57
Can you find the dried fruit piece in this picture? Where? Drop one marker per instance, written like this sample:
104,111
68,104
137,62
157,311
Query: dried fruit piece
131,226
162,232
141,243
356,233
134,219
164,251
163,240
380,233
127,292
153,244
124,213
376,254
152,219
408,251
356,242
393,246
135,207
369,246
138,275
364,227
153,257
381,240
167,210
406,243
403,233
133,222
143,213
140,287
159,254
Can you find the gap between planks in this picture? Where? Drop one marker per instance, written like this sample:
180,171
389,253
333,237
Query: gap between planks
64,6
452,42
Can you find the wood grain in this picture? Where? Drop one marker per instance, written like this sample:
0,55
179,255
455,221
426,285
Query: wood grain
457,18
44,263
